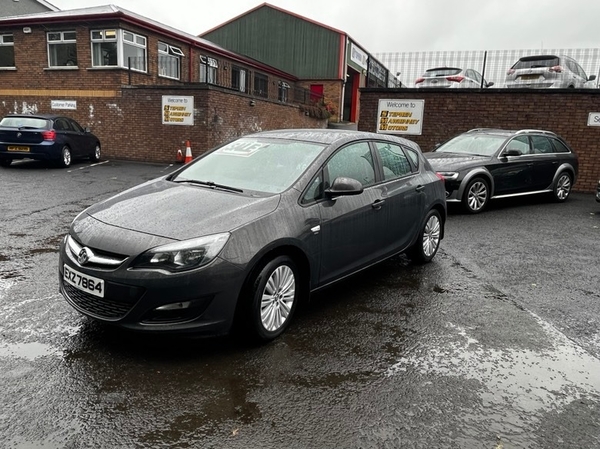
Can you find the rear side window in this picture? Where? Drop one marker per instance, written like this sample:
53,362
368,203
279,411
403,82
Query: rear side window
560,147
541,144
394,161
413,156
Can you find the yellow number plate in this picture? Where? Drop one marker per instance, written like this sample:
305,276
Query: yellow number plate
19,149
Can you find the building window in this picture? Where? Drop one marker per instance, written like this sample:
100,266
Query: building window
239,79
118,48
208,69
283,91
62,48
261,85
169,61
7,50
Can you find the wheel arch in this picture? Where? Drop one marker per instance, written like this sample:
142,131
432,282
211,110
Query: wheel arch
476,173
561,169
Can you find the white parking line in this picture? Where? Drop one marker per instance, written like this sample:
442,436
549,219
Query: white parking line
88,166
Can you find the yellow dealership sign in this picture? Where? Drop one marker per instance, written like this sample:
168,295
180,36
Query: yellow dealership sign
400,117
177,110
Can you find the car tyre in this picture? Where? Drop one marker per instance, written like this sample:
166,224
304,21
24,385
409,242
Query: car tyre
476,196
562,187
65,157
97,153
274,295
428,241
5,162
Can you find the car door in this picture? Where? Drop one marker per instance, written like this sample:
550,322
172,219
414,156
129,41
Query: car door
350,225
82,142
403,197
545,162
513,174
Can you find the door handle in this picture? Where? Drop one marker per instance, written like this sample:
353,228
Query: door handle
377,204
420,188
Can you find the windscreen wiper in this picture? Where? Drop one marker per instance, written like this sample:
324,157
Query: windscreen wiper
209,184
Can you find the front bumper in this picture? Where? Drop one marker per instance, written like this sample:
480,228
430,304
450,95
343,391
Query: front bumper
201,301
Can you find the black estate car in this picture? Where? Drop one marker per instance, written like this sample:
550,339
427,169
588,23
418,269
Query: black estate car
484,164
249,229
45,137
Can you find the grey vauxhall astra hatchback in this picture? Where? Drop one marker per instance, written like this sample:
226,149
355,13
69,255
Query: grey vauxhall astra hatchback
246,231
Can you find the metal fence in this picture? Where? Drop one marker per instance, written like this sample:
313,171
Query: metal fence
493,65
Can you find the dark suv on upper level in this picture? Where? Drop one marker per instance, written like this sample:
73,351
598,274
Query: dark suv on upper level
484,164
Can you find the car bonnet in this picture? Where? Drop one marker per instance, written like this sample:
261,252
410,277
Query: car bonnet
454,161
180,211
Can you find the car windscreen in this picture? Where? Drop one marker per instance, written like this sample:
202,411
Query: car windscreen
25,122
475,144
442,72
256,164
531,63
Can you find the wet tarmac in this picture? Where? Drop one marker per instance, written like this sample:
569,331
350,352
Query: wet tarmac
495,344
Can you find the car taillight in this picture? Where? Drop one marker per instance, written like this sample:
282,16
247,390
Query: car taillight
510,71
456,79
49,135
439,175
419,80
556,68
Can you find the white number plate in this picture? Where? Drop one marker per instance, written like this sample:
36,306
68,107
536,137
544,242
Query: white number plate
83,282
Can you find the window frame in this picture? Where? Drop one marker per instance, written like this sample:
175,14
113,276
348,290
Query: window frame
208,66
61,42
121,41
261,80
172,53
240,82
5,44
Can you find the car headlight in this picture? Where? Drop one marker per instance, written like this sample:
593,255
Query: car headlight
185,255
449,175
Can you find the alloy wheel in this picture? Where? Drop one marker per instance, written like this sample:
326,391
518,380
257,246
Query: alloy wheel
277,298
563,187
431,236
477,196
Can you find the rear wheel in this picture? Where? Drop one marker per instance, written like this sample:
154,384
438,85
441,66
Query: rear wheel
97,153
428,242
562,187
274,296
65,157
5,162
476,196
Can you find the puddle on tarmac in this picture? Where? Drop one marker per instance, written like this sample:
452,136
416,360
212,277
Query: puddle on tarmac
531,381
28,351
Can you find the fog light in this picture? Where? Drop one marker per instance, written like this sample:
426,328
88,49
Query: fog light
175,306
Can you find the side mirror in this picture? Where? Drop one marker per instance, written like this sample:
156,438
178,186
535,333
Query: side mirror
343,186
87,130
592,78
490,84
511,152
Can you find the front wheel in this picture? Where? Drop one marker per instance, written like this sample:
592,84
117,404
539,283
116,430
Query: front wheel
428,241
562,187
275,294
476,196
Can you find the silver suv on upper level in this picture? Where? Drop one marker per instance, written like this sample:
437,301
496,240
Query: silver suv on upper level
543,71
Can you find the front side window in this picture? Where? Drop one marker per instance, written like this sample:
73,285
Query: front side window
208,69
62,48
521,144
169,61
239,79
7,50
118,48
354,161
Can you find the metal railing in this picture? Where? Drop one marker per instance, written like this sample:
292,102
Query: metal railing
492,65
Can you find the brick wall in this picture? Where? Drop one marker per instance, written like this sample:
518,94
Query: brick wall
448,113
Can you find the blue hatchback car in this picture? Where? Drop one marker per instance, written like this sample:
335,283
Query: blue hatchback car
45,137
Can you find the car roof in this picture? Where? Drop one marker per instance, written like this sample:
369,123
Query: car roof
331,136
41,116
509,132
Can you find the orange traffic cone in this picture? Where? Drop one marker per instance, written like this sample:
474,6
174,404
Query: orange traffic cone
188,152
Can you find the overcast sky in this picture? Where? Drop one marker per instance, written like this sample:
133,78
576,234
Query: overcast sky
402,25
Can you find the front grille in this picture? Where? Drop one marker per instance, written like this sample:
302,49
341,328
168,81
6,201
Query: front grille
100,307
